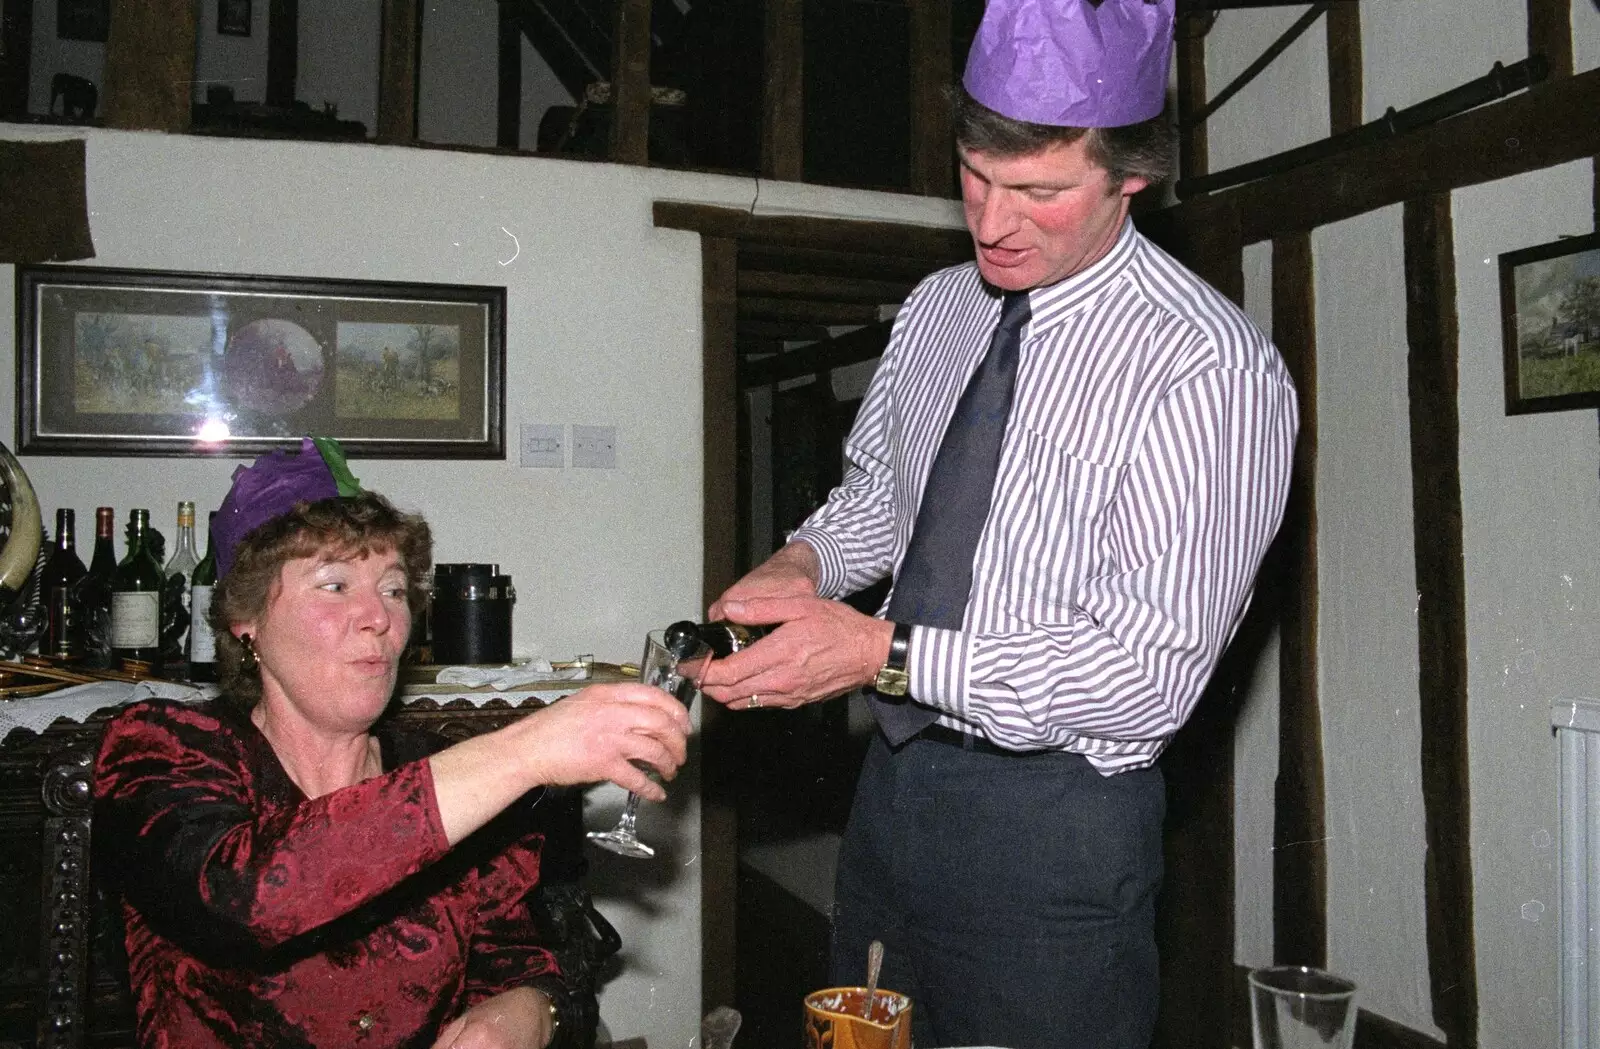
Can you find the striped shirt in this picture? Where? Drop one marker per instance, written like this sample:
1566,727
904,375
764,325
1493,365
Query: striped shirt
1144,471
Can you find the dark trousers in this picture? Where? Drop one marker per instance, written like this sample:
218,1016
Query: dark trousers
1014,895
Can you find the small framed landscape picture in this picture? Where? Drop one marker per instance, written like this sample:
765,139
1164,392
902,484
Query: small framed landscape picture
1550,317
147,362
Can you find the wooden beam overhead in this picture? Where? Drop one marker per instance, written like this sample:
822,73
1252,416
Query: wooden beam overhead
1299,839
149,70
1550,34
783,92
1433,368
399,33
803,231
932,137
1345,73
1551,123
630,83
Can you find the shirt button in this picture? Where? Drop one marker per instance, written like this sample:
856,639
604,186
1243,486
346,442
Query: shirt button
365,1021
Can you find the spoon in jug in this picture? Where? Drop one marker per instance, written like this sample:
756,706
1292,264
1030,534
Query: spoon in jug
874,963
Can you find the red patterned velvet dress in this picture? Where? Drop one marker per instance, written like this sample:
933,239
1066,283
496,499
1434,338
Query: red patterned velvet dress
256,917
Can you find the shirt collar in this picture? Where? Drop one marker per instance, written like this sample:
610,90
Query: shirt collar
1055,301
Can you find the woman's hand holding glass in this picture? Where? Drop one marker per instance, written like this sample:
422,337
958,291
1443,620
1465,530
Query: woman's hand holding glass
674,662
607,732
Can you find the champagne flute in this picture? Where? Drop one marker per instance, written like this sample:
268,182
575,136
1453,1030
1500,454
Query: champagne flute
674,661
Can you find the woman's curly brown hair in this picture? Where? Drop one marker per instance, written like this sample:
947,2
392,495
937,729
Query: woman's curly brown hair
342,527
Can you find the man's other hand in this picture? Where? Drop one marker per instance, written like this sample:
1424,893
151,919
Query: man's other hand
821,649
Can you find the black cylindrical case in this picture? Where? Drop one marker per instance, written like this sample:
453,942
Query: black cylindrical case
471,615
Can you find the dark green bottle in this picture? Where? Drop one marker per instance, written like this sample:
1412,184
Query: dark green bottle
202,645
136,588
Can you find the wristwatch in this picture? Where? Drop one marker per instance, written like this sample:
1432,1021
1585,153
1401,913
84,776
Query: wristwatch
894,679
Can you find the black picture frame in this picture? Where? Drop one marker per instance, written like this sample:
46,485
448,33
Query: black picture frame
159,363
233,17
83,20
1550,325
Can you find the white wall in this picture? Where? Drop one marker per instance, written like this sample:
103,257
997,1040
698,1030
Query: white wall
1531,503
1366,584
603,327
1530,488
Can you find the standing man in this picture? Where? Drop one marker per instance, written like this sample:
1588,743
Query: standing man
1072,458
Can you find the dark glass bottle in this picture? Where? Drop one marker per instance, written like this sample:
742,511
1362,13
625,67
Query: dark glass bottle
136,602
94,590
58,582
202,645
722,637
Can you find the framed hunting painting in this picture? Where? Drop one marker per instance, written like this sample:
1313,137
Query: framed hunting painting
148,362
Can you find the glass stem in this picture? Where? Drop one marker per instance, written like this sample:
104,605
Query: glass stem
630,816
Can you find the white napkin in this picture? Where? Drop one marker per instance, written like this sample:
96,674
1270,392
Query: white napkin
509,677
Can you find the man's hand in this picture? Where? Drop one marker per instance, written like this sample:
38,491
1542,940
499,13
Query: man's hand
822,649
791,572
514,1019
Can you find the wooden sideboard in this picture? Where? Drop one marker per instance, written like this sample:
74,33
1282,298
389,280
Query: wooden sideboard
63,977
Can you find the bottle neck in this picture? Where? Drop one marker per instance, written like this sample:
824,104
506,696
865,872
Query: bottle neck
65,528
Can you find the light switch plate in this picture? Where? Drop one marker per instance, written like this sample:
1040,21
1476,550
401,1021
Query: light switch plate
542,445
594,447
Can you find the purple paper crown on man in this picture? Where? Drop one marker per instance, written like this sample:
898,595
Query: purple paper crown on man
1072,63
274,485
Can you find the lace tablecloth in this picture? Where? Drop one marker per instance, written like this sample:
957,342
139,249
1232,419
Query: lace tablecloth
475,685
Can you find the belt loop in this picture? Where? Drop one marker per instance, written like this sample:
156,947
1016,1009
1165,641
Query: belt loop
968,740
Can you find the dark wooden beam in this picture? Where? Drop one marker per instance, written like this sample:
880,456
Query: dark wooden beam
803,231
1550,34
1433,368
783,92
1551,123
1345,95
283,52
1190,48
149,71
932,137
400,33
508,96
757,308
719,835
1299,846
630,83
811,286
863,344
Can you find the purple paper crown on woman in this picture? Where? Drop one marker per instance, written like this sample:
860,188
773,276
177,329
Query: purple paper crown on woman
274,485
1072,63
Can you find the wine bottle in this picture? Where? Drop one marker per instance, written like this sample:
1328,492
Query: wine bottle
94,590
202,648
58,582
175,608
184,558
722,637
136,602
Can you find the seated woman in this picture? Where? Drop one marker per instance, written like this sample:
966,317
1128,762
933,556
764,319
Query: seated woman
296,871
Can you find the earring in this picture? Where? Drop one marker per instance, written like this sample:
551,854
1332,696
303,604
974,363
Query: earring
248,662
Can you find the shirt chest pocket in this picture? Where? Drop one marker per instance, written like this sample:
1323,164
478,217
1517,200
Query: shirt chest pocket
1052,520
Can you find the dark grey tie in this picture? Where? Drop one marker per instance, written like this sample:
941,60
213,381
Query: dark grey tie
935,577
